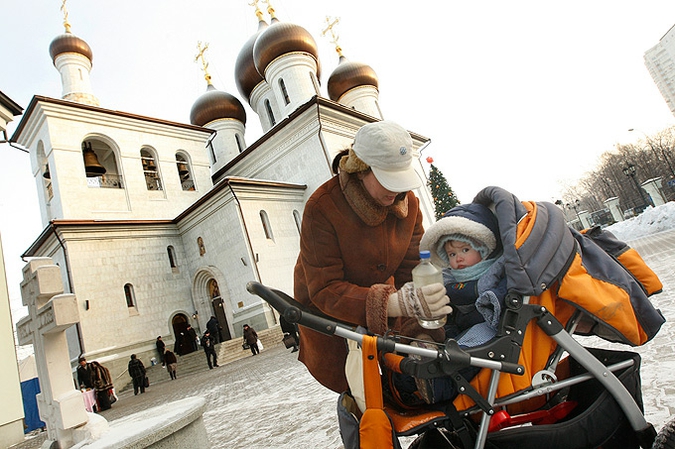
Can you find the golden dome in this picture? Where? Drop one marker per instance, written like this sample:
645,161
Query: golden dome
245,74
215,104
69,43
348,75
279,39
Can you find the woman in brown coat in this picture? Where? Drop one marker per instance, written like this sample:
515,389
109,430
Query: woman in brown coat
358,245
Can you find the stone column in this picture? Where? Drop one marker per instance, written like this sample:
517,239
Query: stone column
653,188
585,218
614,208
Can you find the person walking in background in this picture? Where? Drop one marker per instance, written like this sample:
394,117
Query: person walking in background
137,373
213,326
290,329
192,336
160,349
171,363
208,343
251,337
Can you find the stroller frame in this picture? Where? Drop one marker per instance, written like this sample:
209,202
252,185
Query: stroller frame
500,355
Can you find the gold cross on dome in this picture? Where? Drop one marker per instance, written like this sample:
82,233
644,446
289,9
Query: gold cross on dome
65,16
201,47
270,9
258,12
330,24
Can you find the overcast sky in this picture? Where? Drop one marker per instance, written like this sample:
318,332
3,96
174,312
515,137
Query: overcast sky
520,94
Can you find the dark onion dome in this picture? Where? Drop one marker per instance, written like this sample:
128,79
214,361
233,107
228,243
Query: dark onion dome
69,43
348,75
282,38
245,74
215,104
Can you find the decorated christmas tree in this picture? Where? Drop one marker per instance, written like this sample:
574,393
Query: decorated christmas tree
444,197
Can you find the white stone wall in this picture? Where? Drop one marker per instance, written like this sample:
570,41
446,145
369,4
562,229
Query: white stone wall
102,261
62,134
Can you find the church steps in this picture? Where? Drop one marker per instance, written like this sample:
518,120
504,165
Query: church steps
195,362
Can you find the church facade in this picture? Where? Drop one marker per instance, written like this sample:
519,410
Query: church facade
157,225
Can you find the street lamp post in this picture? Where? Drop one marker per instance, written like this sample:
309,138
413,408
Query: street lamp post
629,171
575,206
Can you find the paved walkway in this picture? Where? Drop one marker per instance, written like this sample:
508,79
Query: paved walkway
270,401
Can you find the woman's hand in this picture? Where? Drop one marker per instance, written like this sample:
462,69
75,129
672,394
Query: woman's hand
425,302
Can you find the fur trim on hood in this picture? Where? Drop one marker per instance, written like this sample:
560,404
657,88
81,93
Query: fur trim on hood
474,221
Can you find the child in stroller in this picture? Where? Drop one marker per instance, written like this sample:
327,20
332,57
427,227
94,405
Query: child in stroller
466,243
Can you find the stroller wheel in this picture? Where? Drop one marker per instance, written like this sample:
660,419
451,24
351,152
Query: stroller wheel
665,439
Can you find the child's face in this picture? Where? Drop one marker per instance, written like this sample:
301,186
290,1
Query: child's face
461,254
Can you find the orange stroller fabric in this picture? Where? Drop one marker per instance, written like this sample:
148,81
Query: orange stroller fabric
375,429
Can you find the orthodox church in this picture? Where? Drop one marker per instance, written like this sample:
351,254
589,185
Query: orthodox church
157,225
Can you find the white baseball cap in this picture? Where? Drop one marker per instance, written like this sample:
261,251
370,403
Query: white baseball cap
387,148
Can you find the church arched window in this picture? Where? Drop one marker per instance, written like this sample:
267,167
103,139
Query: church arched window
270,114
284,91
46,174
239,145
130,295
150,170
172,256
184,172
266,225
100,165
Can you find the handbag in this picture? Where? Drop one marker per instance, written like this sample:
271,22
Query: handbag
288,341
146,382
245,346
112,396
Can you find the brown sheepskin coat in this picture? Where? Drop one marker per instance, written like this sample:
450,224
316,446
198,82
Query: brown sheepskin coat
353,254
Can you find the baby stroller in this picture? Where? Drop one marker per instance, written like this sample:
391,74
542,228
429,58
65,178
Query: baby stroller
538,386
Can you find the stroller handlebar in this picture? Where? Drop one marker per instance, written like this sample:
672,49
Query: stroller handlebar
291,310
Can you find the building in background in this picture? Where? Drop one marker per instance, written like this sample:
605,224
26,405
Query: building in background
660,61
11,412
158,225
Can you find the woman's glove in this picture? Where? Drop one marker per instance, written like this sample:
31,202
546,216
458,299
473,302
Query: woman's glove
427,302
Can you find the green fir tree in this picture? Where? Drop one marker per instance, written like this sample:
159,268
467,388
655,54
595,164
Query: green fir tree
444,197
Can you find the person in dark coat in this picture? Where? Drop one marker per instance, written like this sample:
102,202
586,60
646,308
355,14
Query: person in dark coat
84,374
137,373
160,349
251,337
214,327
171,363
291,329
208,343
192,336
94,376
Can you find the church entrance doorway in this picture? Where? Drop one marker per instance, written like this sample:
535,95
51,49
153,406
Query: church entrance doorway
219,311
183,341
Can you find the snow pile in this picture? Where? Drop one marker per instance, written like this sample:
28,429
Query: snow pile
653,220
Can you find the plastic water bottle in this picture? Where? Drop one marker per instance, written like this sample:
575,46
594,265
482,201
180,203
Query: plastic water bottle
426,273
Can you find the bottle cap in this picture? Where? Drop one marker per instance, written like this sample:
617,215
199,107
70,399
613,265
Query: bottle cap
425,254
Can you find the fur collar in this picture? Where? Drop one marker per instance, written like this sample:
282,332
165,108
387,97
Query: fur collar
368,210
